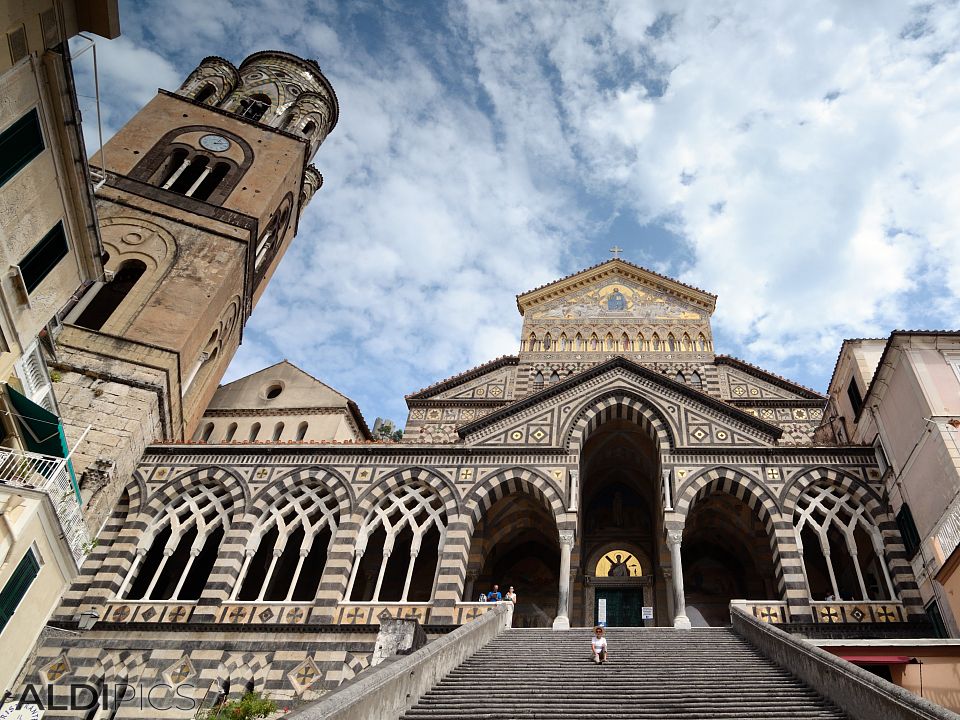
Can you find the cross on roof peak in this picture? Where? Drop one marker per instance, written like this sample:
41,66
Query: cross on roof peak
616,250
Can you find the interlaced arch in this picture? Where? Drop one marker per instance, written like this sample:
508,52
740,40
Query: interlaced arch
286,549
831,511
177,550
407,514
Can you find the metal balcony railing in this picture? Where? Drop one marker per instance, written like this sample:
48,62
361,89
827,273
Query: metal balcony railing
50,475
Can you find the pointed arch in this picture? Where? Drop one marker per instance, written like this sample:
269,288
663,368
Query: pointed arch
701,342
729,481
641,343
671,343
178,549
564,343
594,342
625,344
287,548
655,343
616,404
503,482
445,489
608,342
686,345
733,482
578,342
852,491
547,342
411,518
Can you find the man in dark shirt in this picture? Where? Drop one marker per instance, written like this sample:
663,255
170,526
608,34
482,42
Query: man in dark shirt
494,595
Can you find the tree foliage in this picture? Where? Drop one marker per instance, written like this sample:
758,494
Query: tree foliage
250,706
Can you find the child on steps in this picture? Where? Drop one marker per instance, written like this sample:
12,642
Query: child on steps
599,643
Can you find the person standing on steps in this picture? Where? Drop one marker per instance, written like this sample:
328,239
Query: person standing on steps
511,596
494,595
599,643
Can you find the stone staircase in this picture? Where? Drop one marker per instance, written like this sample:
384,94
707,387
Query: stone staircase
700,674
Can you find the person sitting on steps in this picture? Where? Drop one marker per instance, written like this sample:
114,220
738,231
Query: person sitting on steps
599,643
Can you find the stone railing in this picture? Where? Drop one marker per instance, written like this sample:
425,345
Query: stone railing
158,611
858,692
768,611
831,612
390,689
855,612
50,475
368,613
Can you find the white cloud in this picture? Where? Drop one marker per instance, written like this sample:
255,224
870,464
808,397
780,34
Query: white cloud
806,155
804,152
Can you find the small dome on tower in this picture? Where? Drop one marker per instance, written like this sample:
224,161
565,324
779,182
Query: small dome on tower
286,92
213,79
312,181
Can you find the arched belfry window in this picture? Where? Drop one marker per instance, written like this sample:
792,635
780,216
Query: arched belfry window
196,161
842,548
272,236
111,295
398,548
179,547
254,107
206,92
287,549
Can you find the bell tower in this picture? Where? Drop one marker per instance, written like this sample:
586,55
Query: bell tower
201,196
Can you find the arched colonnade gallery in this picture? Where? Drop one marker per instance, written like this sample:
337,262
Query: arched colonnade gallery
620,520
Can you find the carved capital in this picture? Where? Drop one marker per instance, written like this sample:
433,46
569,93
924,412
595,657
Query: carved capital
566,537
674,537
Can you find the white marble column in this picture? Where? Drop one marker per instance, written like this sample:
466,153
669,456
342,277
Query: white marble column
680,620
562,621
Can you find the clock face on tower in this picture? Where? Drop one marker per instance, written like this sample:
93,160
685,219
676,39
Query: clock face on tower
215,143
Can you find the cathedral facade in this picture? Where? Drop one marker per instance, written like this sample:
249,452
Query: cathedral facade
616,469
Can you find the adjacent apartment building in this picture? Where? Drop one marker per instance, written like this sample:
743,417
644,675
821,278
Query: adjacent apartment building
902,395
49,249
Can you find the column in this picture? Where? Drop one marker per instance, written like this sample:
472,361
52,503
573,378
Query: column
680,620
562,621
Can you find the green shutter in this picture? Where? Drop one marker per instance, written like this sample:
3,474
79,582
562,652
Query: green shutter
17,586
19,144
44,257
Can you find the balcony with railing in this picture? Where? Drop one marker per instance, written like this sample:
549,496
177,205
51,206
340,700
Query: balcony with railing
51,475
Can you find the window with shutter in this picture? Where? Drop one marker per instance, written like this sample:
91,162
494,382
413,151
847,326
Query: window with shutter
19,144
16,588
45,256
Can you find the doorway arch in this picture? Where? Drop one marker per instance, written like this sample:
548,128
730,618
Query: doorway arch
619,437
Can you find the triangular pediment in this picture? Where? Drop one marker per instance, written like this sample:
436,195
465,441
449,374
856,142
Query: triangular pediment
617,290
296,389
490,381
692,419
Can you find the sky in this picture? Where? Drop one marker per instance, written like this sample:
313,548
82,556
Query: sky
799,160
